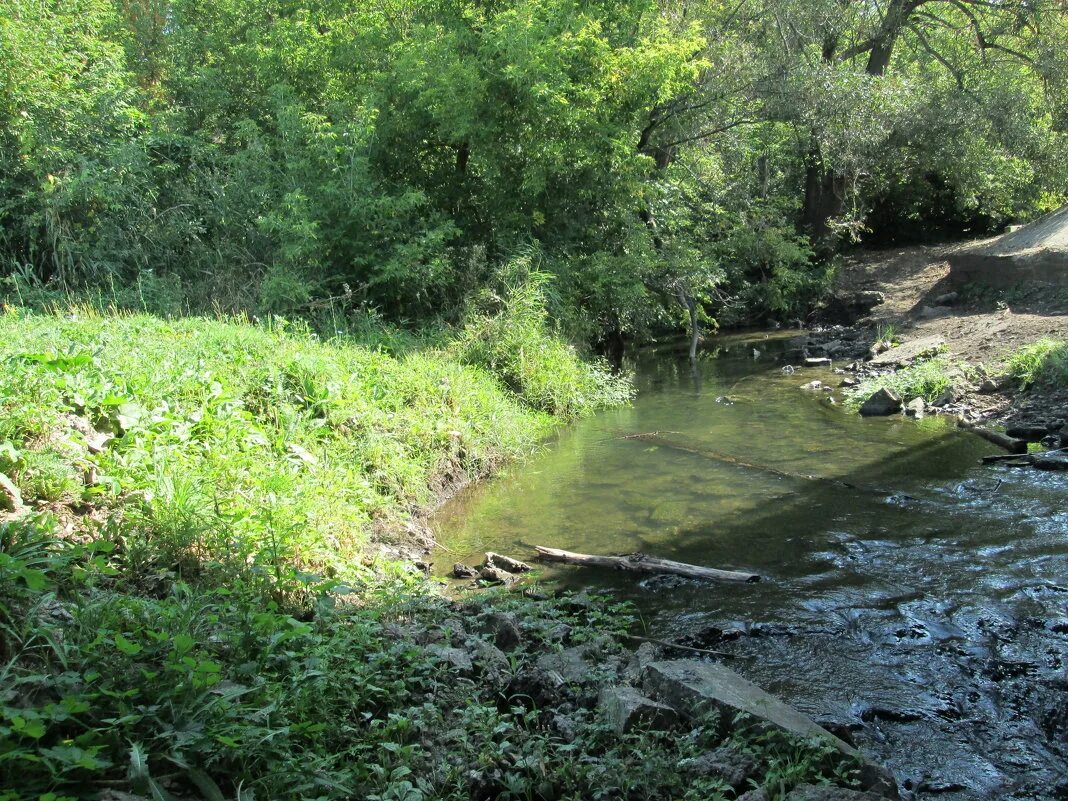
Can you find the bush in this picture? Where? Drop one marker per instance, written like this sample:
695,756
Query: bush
515,343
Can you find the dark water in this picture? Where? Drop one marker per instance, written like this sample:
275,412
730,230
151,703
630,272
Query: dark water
911,596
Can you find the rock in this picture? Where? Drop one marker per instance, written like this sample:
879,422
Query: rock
915,407
494,575
828,792
504,629
908,352
817,361
10,497
490,662
947,299
731,765
882,403
812,386
848,307
882,346
948,396
506,563
694,687
759,794
570,664
1027,433
456,658
644,656
1053,461
462,571
932,312
850,382
833,347
624,708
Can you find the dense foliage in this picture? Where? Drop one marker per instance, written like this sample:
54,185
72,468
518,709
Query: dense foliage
281,156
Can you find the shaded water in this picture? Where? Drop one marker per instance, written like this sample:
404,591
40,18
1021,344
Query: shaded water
912,597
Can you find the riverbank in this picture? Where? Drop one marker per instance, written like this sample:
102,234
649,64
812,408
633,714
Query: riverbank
976,332
200,596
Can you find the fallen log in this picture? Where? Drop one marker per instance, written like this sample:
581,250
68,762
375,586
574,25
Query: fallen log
640,563
1010,444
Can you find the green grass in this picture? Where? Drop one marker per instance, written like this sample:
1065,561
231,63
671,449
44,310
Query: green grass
1044,362
927,379
187,606
228,437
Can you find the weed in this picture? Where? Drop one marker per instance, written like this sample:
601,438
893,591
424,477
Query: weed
1042,362
926,379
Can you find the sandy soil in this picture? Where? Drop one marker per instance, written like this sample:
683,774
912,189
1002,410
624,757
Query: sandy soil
978,330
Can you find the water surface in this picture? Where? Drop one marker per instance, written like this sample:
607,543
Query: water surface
911,596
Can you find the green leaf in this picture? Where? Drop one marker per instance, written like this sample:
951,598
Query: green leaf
208,788
127,647
138,773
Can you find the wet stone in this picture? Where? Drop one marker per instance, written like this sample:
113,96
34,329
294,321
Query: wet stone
625,707
816,792
732,766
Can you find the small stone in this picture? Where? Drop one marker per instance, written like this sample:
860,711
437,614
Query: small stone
1054,461
505,630
932,312
812,386
731,765
828,792
625,707
506,563
462,571
494,575
850,382
10,497
915,407
882,403
947,397
456,658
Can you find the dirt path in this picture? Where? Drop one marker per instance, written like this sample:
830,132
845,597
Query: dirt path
980,327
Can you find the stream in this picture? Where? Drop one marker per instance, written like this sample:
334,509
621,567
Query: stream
912,600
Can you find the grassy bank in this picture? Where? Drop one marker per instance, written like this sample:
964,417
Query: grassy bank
189,610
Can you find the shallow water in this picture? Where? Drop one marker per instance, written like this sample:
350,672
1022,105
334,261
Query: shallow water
911,596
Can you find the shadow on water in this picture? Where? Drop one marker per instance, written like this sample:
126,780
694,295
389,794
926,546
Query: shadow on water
910,596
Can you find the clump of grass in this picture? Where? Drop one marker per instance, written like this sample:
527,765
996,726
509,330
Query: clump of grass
516,343
927,379
1041,362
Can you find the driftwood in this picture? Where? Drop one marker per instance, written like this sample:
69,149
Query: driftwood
1010,444
640,563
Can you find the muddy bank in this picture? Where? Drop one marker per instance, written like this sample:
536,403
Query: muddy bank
910,292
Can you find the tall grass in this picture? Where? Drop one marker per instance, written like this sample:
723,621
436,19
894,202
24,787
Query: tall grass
1041,362
515,342
927,379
